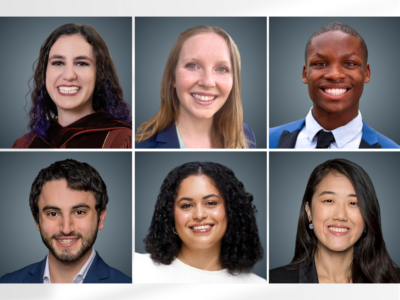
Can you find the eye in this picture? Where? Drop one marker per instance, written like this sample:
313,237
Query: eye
353,203
52,214
211,203
350,63
222,69
186,206
57,63
191,66
320,64
81,63
80,212
328,201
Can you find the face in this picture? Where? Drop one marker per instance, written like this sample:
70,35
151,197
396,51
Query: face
335,72
71,73
199,212
336,217
203,76
68,220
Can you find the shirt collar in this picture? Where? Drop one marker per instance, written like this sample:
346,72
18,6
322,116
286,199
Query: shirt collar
343,134
81,274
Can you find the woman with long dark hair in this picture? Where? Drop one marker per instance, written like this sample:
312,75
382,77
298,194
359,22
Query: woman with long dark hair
77,100
339,236
203,229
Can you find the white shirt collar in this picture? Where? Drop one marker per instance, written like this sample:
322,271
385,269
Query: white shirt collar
343,134
81,274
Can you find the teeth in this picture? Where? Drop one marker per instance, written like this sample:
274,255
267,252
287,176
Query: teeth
203,98
68,90
335,91
338,229
201,227
67,241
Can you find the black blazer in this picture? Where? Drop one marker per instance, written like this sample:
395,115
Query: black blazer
298,273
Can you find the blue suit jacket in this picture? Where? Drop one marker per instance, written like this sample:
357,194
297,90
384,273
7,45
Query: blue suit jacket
285,136
167,138
99,272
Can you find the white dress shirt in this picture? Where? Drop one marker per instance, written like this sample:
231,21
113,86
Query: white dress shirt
81,274
346,137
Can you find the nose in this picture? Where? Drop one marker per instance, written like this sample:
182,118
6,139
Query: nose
69,72
207,79
340,213
200,213
66,225
335,72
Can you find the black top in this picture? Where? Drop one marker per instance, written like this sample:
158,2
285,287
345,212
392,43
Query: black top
297,273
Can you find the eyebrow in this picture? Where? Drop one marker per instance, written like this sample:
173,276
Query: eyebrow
344,55
224,62
204,198
76,58
333,193
80,205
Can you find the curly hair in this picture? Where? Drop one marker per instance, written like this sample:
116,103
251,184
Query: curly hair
240,246
371,261
79,177
107,95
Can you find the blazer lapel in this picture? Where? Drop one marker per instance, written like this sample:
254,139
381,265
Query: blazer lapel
289,136
36,274
308,273
97,272
167,138
369,138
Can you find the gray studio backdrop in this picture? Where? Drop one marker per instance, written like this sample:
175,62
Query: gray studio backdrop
154,38
21,39
24,245
152,168
289,173
288,95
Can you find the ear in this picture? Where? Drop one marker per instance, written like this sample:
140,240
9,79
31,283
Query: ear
367,74
37,224
308,211
102,216
304,74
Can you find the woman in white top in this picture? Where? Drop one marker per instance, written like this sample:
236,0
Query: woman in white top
203,229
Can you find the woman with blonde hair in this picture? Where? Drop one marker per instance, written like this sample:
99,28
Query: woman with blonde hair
201,105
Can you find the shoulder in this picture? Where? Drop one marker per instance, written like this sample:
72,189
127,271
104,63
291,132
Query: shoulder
116,276
24,141
119,138
150,143
284,274
250,278
371,136
249,135
165,138
275,132
386,142
20,275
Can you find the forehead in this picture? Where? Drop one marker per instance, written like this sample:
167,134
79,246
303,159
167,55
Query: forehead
71,45
197,185
335,182
335,42
57,193
210,46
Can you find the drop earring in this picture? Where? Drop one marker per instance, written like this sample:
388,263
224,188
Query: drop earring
311,225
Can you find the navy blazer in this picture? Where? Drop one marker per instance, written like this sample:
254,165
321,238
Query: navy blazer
99,272
168,138
285,136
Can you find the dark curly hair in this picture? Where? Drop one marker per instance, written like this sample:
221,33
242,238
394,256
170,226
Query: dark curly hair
241,247
107,95
79,176
371,261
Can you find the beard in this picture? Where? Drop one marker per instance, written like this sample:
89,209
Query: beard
66,255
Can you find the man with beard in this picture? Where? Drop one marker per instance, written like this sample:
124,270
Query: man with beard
68,203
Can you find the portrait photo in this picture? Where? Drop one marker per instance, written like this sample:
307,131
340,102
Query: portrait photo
339,203
67,204
355,94
223,85
88,80
211,203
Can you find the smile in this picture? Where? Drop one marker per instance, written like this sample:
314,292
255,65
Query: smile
204,98
201,229
335,92
338,229
65,241
68,89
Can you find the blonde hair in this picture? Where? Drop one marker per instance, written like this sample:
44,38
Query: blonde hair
228,121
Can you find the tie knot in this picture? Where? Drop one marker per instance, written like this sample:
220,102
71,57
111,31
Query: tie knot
324,139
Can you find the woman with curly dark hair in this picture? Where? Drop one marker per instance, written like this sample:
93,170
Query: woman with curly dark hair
203,229
339,235
77,100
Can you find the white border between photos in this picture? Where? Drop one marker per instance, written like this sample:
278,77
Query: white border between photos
133,8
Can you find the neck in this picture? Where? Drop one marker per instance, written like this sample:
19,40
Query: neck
67,117
65,272
194,132
331,121
204,259
333,266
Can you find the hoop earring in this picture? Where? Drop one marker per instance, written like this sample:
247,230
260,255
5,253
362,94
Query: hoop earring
174,231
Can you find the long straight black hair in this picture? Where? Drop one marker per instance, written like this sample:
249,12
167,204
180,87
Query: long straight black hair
371,261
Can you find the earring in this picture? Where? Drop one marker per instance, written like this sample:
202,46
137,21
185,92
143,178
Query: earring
311,225
173,229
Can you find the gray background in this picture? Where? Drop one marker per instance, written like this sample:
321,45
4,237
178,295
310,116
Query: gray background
152,168
289,173
22,244
154,38
21,39
288,95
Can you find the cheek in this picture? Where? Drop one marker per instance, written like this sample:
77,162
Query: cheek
184,80
48,227
219,215
181,218
225,85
